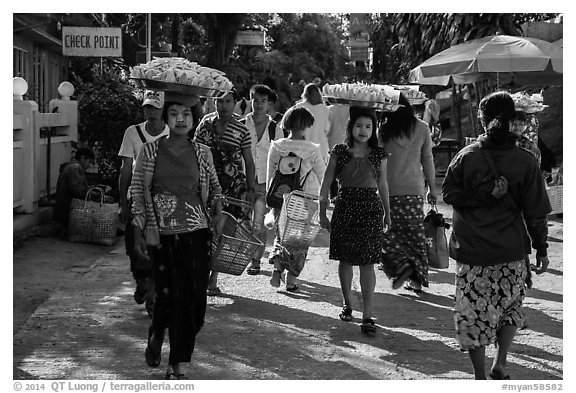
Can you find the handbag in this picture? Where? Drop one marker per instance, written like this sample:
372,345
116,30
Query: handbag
283,184
436,242
93,222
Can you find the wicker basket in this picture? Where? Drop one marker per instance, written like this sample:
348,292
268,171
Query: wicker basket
93,222
299,221
555,195
235,247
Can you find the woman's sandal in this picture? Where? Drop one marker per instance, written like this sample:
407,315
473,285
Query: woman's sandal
409,287
498,375
214,291
403,276
368,326
152,360
346,314
171,375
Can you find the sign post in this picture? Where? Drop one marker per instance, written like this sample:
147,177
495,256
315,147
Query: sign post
92,41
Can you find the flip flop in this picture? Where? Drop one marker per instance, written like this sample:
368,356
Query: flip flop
497,375
398,281
409,287
214,291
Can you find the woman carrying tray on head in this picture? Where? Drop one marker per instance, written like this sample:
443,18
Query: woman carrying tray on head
409,143
362,210
177,201
286,154
231,145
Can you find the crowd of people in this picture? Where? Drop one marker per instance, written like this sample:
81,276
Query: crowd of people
374,171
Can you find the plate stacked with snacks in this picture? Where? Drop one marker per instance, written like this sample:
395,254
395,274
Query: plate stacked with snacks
178,75
379,97
414,96
528,104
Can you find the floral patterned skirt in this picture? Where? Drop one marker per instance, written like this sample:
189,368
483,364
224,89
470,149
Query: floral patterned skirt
405,243
487,298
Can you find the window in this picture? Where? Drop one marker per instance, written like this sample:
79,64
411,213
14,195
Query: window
20,63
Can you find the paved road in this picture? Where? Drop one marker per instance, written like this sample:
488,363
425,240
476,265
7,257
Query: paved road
88,327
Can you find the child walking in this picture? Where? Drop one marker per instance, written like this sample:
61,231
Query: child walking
287,154
362,211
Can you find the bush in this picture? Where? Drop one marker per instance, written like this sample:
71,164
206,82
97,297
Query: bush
107,105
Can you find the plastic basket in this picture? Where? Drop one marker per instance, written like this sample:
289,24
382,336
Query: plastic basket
299,221
555,195
234,248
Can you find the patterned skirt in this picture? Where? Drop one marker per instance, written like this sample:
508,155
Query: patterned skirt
487,298
288,258
356,226
405,243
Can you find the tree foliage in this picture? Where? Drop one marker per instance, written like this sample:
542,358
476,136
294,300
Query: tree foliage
410,39
107,105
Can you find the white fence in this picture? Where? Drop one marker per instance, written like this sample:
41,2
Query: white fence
36,158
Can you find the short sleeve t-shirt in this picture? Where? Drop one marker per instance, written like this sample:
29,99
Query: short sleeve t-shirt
132,143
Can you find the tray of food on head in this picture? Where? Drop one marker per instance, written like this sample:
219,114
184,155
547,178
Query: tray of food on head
178,75
412,93
378,97
526,103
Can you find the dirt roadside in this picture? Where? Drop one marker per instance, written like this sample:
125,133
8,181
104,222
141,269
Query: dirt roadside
74,318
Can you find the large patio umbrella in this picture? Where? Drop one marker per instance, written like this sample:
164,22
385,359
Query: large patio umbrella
501,57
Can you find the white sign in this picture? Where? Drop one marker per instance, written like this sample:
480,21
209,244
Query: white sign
92,41
250,37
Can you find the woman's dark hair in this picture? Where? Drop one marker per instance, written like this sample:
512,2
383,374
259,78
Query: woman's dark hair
297,119
399,123
85,152
355,114
312,94
495,111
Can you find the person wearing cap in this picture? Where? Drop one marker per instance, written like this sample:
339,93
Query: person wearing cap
177,208
231,145
135,137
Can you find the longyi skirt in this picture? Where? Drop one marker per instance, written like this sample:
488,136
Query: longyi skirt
405,242
487,298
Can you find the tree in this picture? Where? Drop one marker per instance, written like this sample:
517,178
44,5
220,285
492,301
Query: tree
313,41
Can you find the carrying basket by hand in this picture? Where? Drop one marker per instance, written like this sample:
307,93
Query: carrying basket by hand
555,195
234,248
299,221
93,222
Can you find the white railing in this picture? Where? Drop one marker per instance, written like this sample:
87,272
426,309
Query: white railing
34,175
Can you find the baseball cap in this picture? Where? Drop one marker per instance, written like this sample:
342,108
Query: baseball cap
154,98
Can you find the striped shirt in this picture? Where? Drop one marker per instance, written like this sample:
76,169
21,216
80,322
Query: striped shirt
143,205
236,133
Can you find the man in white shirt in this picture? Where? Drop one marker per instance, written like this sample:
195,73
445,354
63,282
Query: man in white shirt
263,130
134,138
